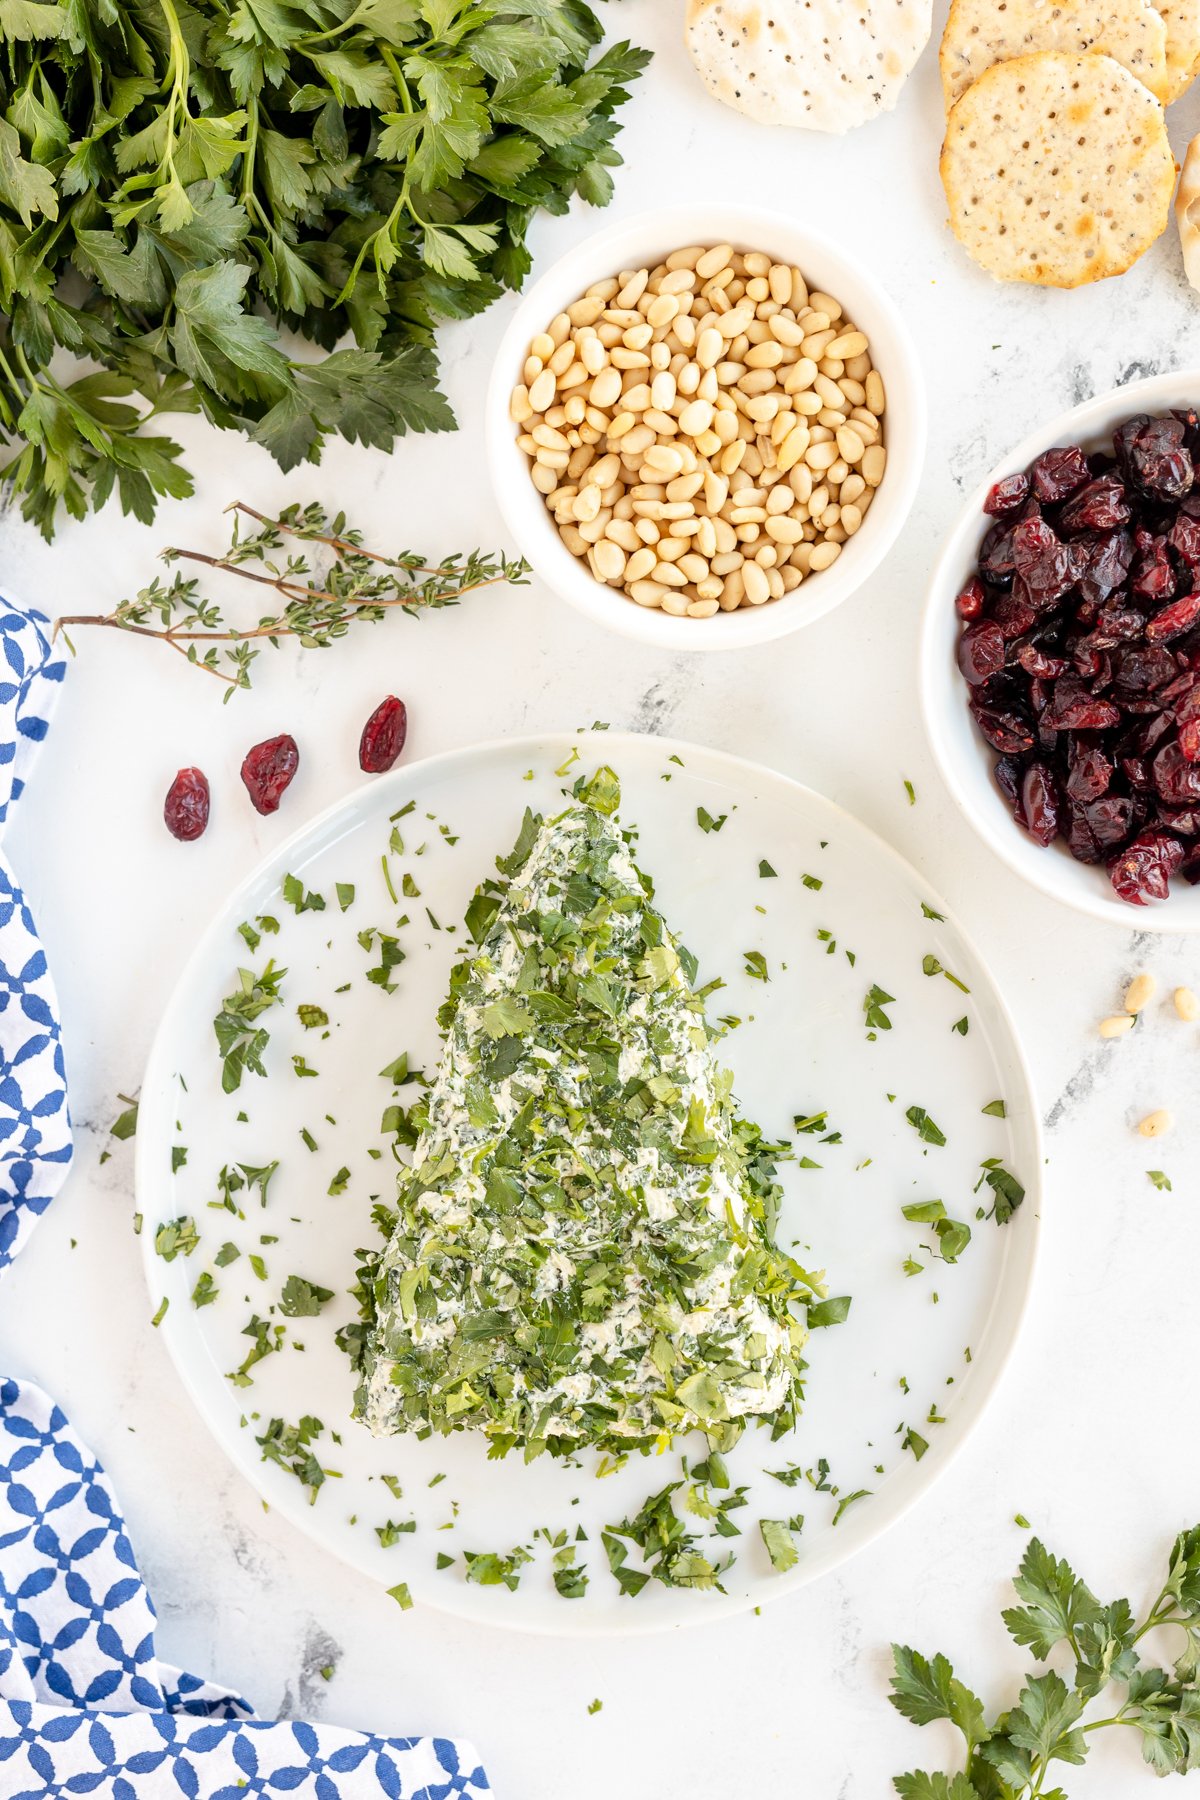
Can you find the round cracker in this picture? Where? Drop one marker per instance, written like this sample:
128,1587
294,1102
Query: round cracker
1057,169
821,65
1187,212
1182,20
982,32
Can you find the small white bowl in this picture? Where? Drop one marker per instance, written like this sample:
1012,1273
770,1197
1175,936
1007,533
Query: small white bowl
647,239
965,760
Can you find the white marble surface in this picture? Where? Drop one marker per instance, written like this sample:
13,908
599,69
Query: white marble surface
1092,1435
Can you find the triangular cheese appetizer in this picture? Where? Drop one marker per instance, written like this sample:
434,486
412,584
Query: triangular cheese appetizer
583,1249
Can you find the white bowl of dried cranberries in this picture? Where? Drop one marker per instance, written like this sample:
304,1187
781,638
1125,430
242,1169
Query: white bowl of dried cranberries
1060,657
705,426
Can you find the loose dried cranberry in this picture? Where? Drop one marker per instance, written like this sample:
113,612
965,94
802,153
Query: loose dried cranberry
1100,506
1174,620
1007,495
1057,473
1095,829
1037,808
981,651
1089,772
970,602
995,555
1143,870
185,809
1176,779
1152,457
383,736
1007,732
268,769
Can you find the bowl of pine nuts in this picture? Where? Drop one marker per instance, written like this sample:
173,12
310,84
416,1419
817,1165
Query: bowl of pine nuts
705,427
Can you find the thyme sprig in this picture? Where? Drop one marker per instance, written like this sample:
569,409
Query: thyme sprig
321,600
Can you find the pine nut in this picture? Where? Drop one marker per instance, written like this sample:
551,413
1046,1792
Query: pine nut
687,416
1187,1005
1139,993
1156,1124
1117,1025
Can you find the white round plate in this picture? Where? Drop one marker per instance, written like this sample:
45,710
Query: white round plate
920,1351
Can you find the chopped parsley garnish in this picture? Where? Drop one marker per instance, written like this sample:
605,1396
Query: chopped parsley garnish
706,821
766,872
1159,1179
239,1045
812,881
931,966
756,965
178,1237
488,1569
312,1017
924,1126
291,1447
877,1020
953,1235
301,898
302,1299
781,1545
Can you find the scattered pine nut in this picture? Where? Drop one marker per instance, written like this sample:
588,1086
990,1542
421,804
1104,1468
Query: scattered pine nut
1117,1026
1186,1004
1155,1124
1139,993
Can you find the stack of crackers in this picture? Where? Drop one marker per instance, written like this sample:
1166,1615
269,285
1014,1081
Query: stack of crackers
1056,163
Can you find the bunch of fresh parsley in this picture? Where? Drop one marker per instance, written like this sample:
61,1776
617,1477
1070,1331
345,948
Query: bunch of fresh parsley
1050,1723
179,179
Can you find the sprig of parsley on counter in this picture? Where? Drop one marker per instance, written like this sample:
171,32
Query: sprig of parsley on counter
180,179
1017,1755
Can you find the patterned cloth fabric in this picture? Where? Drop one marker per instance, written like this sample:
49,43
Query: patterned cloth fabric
35,1132
86,1707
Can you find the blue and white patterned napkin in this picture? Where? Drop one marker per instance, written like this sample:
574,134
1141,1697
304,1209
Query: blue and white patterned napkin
86,1707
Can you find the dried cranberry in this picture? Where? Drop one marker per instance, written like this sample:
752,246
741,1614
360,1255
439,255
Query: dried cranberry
1008,778
1152,457
1187,716
1074,709
1013,613
1143,870
383,736
268,769
1042,561
1189,868
1100,506
1007,732
1094,829
1104,563
970,602
1140,668
1185,821
1184,535
185,809
1035,661
1089,772
1037,808
995,555
1007,495
1153,576
981,651
1174,620
1057,473
1176,779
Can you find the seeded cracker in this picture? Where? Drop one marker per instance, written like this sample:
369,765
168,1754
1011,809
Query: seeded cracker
820,65
980,33
1057,169
1182,20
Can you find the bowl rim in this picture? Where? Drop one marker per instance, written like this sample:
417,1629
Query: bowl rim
906,438
1059,881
